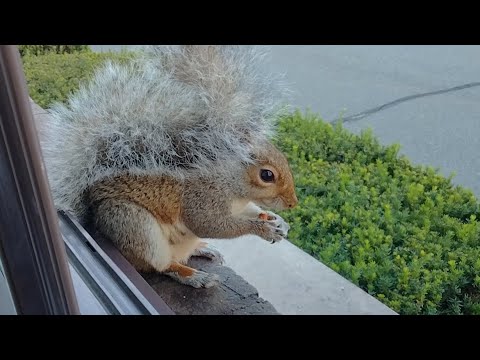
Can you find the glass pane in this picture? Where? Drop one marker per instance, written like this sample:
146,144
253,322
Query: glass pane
87,301
6,302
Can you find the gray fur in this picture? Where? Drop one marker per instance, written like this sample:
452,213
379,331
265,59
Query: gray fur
175,110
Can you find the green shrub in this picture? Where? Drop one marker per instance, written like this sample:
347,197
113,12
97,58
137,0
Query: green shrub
402,233
52,77
56,49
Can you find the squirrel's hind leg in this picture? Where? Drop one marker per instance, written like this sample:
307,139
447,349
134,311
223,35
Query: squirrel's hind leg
145,244
136,233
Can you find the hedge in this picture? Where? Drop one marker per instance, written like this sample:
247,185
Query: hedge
52,77
403,233
47,49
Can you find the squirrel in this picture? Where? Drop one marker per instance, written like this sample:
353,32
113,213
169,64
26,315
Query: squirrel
172,147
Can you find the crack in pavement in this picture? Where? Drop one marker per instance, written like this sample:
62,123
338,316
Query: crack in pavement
374,110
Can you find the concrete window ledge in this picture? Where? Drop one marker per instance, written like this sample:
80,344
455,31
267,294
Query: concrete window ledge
295,282
291,281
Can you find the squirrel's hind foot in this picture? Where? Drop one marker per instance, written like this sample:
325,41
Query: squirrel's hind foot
192,277
210,252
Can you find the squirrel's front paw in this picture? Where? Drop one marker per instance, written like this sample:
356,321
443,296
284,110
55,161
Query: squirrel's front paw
270,231
277,221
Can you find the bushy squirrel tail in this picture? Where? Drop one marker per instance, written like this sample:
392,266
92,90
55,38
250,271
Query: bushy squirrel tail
173,110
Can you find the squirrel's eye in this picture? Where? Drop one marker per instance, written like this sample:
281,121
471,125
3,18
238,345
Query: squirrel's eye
267,175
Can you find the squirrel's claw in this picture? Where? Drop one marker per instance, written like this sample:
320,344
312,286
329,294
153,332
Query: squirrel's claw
281,225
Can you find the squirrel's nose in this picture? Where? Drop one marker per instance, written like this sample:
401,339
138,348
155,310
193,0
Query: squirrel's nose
293,202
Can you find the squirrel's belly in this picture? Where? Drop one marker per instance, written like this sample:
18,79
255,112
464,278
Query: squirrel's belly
182,241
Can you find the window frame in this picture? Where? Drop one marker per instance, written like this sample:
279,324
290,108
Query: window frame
37,243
